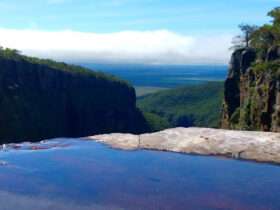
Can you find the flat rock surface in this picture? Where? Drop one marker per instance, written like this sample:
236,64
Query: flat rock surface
249,145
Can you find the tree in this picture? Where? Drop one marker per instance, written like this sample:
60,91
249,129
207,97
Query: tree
243,40
268,35
10,53
275,14
264,36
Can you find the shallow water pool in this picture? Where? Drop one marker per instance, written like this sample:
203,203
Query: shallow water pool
72,174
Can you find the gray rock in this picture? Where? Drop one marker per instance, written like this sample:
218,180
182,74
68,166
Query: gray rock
273,53
248,145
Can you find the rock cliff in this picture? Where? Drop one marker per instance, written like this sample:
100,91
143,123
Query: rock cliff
43,99
252,91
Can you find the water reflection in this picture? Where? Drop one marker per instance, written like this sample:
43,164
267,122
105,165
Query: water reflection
83,175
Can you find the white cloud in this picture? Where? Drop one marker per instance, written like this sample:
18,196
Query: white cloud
153,47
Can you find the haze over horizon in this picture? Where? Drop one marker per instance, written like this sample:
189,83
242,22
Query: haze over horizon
128,31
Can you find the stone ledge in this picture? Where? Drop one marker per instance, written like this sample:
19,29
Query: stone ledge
247,145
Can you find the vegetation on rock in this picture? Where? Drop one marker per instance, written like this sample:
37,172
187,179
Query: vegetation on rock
252,89
42,99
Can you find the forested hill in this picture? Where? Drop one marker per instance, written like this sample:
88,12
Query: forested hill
43,99
197,105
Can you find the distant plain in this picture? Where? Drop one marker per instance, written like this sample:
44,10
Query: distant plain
153,78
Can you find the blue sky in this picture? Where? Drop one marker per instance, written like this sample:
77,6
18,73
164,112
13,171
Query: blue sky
196,19
184,16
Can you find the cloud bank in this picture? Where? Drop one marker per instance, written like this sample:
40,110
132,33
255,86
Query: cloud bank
147,47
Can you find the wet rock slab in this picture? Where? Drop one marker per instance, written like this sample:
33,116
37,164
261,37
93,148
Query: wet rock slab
248,145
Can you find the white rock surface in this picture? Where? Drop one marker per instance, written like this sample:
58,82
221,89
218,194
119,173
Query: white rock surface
119,141
257,146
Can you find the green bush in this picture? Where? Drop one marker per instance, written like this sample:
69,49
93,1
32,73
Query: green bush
155,122
261,67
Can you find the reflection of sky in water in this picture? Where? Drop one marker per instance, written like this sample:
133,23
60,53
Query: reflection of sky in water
86,175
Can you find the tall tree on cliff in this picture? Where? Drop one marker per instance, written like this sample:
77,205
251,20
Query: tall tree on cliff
244,40
268,35
275,14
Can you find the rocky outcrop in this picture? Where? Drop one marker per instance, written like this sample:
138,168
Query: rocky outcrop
273,53
249,145
252,91
38,101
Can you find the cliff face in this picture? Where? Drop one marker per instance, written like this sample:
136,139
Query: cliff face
38,101
252,91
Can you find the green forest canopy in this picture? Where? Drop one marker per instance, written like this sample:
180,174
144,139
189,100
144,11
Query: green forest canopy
197,105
